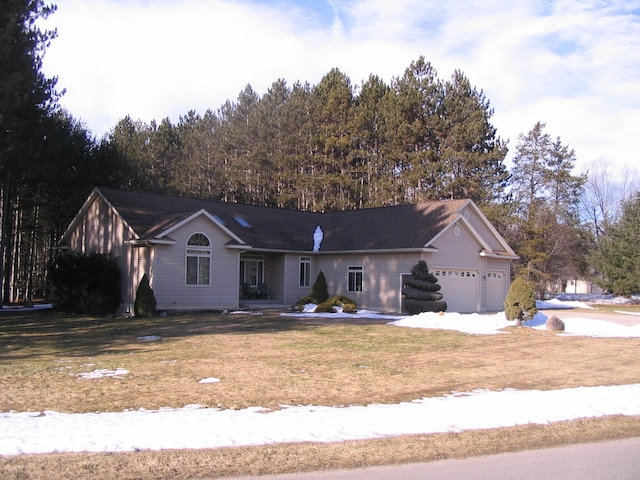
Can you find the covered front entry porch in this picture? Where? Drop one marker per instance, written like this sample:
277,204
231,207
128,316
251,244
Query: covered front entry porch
261,281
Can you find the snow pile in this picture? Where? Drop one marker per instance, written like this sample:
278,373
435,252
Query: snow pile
197,427
490,324
557,304
473,323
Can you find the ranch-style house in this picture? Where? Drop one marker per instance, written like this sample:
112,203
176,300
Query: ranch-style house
211,255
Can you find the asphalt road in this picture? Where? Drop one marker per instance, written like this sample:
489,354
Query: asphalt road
616,460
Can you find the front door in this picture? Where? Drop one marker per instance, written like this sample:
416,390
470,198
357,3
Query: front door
252,270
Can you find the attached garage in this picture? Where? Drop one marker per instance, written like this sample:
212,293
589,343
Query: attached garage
460,287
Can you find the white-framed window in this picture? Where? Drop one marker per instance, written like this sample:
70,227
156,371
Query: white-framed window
305,271
355,279
252,270
198,260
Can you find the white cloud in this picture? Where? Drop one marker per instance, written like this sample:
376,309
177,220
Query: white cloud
572,64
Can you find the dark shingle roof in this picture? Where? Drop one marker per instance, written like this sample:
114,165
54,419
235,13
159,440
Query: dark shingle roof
398,227
388,228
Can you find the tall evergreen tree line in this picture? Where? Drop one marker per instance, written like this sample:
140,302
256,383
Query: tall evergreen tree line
325,147
47,159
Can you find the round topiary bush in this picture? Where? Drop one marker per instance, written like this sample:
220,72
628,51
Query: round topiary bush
421,291
520,304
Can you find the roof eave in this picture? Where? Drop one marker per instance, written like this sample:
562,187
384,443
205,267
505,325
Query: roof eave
208,215
146,242
379,251
503,256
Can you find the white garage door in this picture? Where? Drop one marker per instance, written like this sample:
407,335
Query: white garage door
496,290
460,288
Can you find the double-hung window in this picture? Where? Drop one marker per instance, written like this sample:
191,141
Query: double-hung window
198,259
305,271
355,279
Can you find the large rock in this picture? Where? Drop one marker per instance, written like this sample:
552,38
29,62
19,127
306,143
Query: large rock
555,324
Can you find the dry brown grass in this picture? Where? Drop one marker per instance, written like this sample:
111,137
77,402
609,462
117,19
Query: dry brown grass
270,360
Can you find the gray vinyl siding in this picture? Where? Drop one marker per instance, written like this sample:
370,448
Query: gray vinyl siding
169,279
382,277
292,291
483,230
100,230
462,251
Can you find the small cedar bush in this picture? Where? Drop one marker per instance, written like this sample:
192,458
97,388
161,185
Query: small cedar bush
319,290
520,303
145,303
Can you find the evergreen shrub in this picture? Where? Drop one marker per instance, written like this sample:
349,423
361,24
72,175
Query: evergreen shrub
299,306
346,303
85,283
325,307
319,290
145,303
520,303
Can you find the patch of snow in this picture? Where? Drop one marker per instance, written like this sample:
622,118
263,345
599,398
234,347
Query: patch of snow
149,338
309,311
210,380
103,372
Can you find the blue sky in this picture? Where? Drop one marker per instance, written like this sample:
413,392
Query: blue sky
572,64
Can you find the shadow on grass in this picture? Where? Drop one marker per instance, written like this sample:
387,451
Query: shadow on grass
38,333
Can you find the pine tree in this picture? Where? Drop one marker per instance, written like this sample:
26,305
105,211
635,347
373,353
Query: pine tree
27,98
414,122
546,235
617,257
471,152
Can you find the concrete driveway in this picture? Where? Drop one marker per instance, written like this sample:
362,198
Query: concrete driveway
620,318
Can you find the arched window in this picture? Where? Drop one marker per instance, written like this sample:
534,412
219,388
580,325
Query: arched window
198,260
